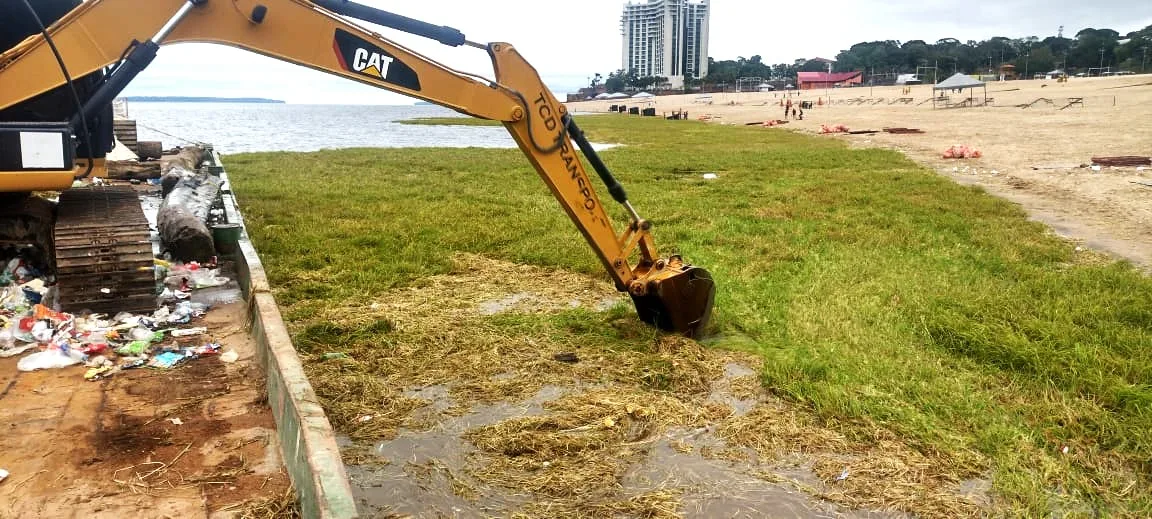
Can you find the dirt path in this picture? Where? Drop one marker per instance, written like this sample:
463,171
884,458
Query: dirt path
1031,155
194,441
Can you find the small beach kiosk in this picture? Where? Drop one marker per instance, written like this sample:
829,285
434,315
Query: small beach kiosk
958,83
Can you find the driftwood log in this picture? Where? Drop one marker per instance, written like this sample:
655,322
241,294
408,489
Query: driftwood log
132,170
147,150
183,215
189,158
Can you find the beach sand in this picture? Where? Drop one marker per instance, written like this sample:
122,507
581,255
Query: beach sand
1031,156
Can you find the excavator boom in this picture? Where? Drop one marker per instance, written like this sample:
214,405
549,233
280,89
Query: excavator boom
126,34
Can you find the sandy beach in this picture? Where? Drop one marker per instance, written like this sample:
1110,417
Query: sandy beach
1037,156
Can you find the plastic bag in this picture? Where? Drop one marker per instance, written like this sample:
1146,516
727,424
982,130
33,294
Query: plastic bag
140,334
205,278
42,332
49,359
12,298
16,350
189,332
133,348
6,338
166,360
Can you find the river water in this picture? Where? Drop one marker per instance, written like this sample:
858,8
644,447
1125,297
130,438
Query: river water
243,127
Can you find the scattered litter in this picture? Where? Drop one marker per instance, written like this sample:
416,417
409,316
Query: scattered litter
49,359
187,332
962,152
229,356
842,476
16,350
3,475
365,418
1096,167
176,421
166,360
710,176
1079,249
99,372
133,348
1064,450
567,356
104,346
334,355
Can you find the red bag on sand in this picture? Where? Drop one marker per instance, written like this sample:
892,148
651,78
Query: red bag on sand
962,152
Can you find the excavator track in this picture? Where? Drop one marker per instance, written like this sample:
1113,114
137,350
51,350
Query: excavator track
104,261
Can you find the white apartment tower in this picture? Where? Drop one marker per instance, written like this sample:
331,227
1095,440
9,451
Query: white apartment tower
666,38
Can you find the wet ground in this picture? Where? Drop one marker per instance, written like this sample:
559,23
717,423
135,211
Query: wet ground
462,397
425,472
194,441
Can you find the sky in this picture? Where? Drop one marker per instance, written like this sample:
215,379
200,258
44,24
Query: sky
568,42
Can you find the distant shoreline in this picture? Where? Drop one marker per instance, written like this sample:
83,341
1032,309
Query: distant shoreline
183,99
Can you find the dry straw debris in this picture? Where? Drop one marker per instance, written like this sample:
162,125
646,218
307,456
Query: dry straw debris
620,399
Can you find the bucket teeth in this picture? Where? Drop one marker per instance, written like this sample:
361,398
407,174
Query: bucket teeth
104,259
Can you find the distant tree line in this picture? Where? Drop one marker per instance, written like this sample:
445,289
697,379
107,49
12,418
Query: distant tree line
1090,48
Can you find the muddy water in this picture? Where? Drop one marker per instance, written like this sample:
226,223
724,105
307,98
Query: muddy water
724,488
716,487
424,470
423,466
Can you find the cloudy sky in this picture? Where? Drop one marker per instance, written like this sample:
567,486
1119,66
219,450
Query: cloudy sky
570,41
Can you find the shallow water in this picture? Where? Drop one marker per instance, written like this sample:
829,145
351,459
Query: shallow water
245,127
418,477
423,466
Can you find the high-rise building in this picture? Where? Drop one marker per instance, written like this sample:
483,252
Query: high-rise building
666,38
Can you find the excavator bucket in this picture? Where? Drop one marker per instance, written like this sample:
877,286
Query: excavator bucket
679,300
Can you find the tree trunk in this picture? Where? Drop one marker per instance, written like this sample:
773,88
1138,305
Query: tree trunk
184,213
188,158
130,170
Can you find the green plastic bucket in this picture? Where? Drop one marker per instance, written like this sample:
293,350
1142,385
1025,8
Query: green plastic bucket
227,237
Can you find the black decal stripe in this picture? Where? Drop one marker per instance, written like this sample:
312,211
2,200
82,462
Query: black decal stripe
399,73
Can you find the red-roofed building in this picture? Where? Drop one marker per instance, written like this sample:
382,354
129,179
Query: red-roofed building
810,80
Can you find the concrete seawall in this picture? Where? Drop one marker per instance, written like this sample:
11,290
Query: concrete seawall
309,445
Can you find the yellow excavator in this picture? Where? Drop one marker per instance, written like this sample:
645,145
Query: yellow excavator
66,61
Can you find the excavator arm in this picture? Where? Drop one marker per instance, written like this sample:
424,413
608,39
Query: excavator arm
125,35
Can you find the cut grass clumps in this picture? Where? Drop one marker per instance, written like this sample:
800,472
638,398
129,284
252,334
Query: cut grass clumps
870,471
582,447
872,290
362,355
